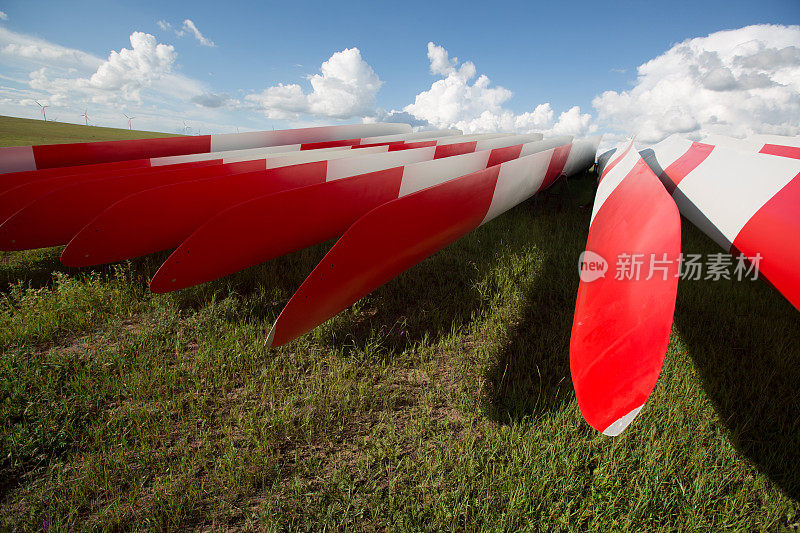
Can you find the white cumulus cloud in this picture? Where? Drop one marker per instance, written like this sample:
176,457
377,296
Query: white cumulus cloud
345,87
131,69
735,82
465,100
3,16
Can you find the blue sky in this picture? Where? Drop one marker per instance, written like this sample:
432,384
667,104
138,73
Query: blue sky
564,54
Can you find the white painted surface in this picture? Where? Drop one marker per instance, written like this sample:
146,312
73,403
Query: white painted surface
430,134
511,140
730,186
311,156
617,427
546,144
582,155
353,166
469,138
303,156
259,139
424,175
747,145
17,159
775,139
518,180
614,177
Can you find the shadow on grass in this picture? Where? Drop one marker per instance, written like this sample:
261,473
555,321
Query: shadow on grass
35,268
435,297
530,374
744,339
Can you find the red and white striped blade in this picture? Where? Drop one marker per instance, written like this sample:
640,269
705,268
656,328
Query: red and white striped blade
765,144
56,217
746,202
24,158
621,326
108,170
35,188
233,240
59,214
176,210
15,179
19,197
399,234
23,195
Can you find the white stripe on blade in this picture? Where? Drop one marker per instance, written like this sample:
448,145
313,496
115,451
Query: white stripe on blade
517,181
17,159
730,186
614,178
429,173
344,168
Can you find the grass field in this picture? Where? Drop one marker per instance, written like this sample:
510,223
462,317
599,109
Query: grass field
22,131
442,401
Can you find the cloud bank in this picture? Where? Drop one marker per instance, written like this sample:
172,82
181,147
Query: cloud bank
346,87
735,82
465,100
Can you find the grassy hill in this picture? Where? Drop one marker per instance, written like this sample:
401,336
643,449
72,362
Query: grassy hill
442,401
21,131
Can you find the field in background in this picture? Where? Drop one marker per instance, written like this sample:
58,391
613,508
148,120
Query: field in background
25,131
442,401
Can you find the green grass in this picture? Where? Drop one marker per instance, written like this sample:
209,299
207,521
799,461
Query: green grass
442,401
23,131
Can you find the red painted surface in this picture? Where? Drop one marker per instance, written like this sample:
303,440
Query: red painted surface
330,144
56,217
681,167
64,155
621,327
15,179
773,232
371,145
613,163
270,226
162,217
501,155
15,199
784,151
556,167
448,150
382,244
409,146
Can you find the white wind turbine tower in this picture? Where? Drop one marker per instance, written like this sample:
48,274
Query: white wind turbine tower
129,120
44,115
86,116
186,129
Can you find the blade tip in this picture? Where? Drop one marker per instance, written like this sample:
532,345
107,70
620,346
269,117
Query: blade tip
623,422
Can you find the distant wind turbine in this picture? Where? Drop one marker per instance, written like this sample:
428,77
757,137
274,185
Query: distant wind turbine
129,120
44,115
86,116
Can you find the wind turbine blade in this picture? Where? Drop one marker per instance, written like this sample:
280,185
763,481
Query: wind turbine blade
399,234
177,210
61,155
622,324
317,213
745,201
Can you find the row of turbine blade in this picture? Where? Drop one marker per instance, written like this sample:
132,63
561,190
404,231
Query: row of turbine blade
396,197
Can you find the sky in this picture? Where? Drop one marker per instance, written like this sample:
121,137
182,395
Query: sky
648,69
